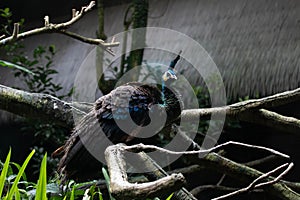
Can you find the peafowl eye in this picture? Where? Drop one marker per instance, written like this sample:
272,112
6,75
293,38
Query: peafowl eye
130,102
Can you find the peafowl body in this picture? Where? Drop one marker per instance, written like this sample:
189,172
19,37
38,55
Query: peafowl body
132,101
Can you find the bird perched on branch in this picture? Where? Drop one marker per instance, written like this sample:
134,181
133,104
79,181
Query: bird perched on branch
130,102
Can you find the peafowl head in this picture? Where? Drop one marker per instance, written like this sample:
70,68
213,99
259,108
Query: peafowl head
170,75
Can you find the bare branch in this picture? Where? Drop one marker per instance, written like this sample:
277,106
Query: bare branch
253,183
36,105
120,187
73,13
99,42
234,110
278,177
241,172
47,23
253,111
247,113
15,31
272,119
156,172
196,191
234,169
142,147
261,160
60,28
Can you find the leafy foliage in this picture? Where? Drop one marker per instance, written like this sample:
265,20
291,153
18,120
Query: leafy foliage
11,189
38,73
6,28
41,189
16,186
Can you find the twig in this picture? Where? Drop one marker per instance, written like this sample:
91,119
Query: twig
277,178
241,172
221,179
272,151
261,160
15,31
254,185
197,190
187,170
100,42
142,147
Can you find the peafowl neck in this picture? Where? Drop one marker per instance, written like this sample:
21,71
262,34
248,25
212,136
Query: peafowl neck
163,97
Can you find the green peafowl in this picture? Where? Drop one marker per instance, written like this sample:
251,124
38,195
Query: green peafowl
137,102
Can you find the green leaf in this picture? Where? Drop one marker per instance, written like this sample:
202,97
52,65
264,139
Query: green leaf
52,49
4,172
107,180
11,65
20,173
41,189
19,167
17,194
72,197
169,198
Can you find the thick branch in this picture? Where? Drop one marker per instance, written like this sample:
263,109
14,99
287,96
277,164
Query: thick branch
237,109
39,106
272,119
254,111
121,188
156,172
246,111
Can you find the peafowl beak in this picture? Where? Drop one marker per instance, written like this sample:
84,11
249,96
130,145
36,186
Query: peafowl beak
169,75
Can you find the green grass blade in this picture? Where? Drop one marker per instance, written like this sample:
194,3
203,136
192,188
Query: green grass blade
169,198
100,194
20,173
4,172
19,167
72,197
107,180
41,189
17,194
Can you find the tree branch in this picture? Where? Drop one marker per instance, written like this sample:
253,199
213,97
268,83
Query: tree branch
60,28
253,111
38,106
233,169
237,109
245,111
121,188
156,172
272,119
253,184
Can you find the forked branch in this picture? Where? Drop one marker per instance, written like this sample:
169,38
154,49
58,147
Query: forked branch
62,29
